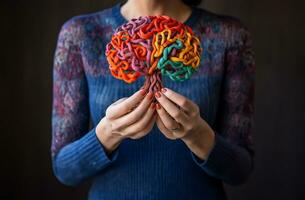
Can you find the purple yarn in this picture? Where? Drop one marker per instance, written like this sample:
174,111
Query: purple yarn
128,53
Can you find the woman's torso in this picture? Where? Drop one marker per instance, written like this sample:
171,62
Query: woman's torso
153,167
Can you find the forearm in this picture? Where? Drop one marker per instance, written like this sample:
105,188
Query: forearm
220,158
81,159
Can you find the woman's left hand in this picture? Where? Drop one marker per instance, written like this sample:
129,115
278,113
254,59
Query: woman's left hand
177,111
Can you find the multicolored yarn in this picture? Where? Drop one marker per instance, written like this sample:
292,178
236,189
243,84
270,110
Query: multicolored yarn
145,44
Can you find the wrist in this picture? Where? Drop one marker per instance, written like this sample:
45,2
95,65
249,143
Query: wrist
109,140
201,142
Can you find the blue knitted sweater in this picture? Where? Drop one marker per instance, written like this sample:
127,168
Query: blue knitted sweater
152,167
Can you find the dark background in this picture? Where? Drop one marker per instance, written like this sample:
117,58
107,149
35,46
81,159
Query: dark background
29,32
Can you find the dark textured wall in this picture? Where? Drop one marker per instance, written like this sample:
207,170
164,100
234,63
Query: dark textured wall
29,32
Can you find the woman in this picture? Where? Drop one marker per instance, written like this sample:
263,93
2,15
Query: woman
197,135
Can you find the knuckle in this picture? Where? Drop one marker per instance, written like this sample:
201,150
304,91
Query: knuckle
196,109
194,114
184,103
188,128
114,125
145,130
138,128
179,134
176,134
118,125
130,134
171,125
108,113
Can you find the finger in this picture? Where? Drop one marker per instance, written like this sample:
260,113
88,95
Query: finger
123,106
166,119
186,104
171,108
142,123
146,129
134,115
163,129
119,101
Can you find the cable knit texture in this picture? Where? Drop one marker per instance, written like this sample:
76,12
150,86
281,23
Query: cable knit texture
152,167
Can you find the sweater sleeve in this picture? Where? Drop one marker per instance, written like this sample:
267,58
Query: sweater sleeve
232,157
77,154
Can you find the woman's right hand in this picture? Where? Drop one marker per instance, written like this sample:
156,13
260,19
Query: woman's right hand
131,117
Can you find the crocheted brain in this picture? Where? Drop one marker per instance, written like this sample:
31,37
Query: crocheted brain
151,46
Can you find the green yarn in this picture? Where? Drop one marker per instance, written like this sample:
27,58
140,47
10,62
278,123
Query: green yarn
181,72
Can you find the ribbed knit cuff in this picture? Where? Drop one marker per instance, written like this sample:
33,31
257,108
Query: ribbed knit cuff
217,159
94,153
82,159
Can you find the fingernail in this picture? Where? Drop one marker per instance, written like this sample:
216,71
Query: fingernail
152,105
158,94
150,95
158,106
163,90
